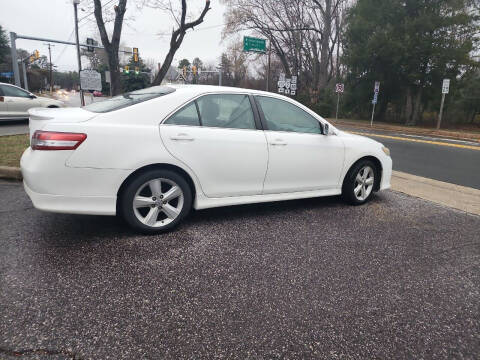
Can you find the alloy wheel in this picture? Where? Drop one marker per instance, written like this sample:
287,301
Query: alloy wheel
364,183
158,202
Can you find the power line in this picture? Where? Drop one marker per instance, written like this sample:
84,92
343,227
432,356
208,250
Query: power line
86,16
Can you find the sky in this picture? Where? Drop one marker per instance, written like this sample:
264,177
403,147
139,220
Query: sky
54,19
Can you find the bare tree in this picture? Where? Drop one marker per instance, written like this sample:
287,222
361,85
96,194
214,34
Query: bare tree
178,34
111,45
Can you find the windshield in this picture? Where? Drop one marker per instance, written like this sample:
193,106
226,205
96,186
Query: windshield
128,99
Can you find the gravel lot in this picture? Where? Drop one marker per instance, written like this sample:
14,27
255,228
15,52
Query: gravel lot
397,278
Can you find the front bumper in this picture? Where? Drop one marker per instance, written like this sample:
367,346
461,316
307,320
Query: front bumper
386,172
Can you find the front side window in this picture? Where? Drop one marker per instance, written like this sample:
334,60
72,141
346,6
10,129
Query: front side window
226,111
14,92
188,115
281,115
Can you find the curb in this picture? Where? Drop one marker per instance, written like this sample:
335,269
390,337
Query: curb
10,173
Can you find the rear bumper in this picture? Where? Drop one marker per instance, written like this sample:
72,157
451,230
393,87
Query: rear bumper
91,205
53,186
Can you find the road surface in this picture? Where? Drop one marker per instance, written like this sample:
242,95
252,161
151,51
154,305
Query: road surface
452,161
307,279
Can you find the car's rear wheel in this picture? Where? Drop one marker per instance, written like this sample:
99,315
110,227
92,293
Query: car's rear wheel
156,201
359,183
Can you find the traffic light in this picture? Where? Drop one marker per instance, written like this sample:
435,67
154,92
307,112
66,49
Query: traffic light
135,54
194,70
137,70
127,69
184,72
36,53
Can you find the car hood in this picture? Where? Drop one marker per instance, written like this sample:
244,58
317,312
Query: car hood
347,135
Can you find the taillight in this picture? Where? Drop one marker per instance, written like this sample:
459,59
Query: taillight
51,140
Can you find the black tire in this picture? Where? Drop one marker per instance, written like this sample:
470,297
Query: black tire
130,215
348,188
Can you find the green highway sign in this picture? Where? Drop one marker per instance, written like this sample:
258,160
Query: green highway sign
254,44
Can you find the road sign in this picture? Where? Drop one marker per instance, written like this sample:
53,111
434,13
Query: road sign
254,44
445,86
6,74
375,98
287,86
377,87
90,80
107,76
339,88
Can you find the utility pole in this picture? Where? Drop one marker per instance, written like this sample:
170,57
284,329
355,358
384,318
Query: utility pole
75,5
13,50
24,69
269,60
51,67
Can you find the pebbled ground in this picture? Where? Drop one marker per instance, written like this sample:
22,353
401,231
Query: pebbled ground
397,278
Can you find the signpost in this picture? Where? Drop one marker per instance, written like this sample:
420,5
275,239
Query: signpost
376,90
445,90
90,80
339,88
287,86
254,44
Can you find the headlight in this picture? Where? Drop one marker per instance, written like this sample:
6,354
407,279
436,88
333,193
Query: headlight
386,150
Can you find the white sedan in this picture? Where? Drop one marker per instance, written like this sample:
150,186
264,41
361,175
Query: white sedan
15,102
153,154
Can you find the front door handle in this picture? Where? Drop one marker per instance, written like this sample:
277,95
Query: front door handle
182,137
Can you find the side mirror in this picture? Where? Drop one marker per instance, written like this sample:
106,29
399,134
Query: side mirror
326,129
31,96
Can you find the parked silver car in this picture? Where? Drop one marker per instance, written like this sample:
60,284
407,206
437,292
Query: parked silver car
15,102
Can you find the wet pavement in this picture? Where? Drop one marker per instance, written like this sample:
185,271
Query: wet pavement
396,278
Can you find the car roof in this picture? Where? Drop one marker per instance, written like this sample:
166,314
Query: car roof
203,89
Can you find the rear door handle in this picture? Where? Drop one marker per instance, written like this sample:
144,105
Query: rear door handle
278,142
182,137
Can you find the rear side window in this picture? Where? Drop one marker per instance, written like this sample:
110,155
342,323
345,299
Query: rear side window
129,99
13,91
188,115
232,111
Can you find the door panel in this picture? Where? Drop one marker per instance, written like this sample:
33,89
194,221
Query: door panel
302,162
227,162
301,158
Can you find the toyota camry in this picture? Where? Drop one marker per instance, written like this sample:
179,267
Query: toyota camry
153,154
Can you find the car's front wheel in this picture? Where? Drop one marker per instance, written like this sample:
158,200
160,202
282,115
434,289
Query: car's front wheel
156,201
359,183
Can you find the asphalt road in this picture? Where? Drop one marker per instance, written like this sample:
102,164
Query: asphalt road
397,278
430,157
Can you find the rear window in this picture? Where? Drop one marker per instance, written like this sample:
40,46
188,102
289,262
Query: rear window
128,99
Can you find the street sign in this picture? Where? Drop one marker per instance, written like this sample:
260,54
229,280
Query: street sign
254,44
90,80
287,86
6,74
339,88
107,77
375,98
377,87
445,86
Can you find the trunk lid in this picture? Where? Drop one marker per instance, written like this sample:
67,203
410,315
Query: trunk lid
39,117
